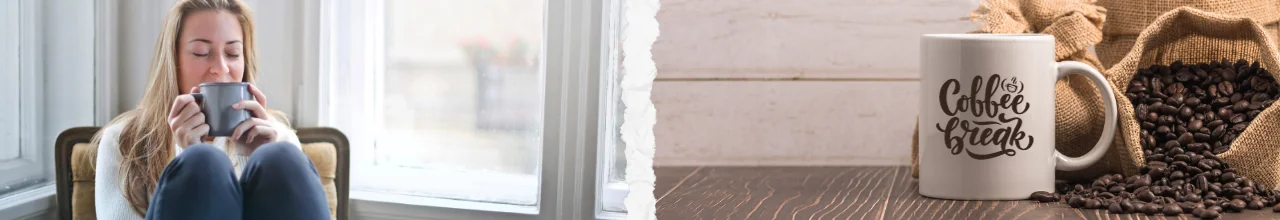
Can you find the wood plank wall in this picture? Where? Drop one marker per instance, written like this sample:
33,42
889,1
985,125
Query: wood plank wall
792,82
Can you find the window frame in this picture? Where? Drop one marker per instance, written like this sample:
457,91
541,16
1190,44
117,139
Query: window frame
573,55
31,161
609,191
36,200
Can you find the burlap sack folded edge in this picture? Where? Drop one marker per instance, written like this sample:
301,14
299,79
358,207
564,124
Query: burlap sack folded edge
1130,17
1075,27
1256,152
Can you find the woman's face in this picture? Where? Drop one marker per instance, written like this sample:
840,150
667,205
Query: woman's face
210,49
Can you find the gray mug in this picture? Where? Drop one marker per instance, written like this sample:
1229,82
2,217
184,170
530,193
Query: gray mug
216,99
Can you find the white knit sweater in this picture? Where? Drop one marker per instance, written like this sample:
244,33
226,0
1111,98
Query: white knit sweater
108,196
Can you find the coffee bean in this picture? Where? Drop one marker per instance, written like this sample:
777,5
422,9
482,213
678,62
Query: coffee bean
1238,128
1076,202
1184,75
1179,164
1256,204
1204,164
1101,182
1193,170
1197,147
1115,208
1141,182
1213,125
1153,164
1235,205
1043,196
1116,190
1106,195
1209,214
1217,103
1092,204
1198,211
1201,182
1146,196
1158,172
1257,98
1217,133
1181,157
1187,206
1151,209
1192,198
1186,138
1193,101
1207,138
1232,193
1171,210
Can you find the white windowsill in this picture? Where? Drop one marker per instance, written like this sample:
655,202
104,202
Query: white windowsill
31,203
371,196
378,205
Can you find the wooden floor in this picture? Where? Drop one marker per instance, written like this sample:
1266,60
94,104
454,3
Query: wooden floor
841,193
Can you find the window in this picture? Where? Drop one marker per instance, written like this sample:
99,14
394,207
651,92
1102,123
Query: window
489,109
460,98
21,161
612,147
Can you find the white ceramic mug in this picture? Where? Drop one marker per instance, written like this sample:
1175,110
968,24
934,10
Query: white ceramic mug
987,116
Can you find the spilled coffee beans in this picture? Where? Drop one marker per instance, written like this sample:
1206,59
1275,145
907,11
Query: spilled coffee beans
1188,114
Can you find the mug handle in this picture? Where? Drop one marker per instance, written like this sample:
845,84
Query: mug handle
1065,163
199,97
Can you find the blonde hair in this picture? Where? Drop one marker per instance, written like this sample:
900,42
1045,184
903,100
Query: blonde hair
146,144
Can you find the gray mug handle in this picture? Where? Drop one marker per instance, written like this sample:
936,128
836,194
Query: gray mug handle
199,97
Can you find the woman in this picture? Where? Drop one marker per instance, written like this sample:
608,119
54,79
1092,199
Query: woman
157,160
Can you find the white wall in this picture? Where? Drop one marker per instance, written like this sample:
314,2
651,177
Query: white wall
279,35
68,66
768,82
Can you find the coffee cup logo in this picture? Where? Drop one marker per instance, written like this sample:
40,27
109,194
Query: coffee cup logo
990,126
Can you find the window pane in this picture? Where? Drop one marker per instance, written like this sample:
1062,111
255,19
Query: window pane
614,149
9,82
462,98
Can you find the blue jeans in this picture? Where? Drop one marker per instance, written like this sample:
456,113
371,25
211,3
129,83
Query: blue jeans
278,182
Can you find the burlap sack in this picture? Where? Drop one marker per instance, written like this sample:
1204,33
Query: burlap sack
1075,25
1198,36
1127,18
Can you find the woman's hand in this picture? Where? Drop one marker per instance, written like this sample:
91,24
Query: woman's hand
186,122
256,131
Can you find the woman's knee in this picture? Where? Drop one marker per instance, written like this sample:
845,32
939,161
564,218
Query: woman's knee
279,154
199,161
203,155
